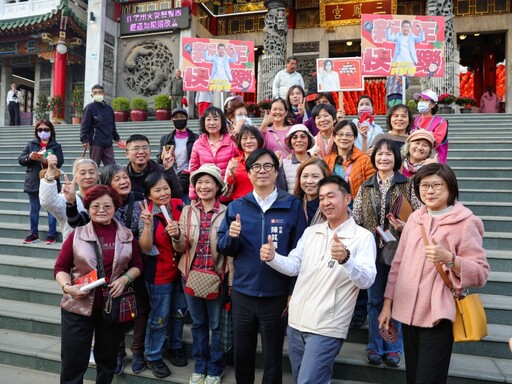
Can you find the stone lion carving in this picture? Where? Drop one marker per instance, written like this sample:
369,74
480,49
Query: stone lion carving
148,67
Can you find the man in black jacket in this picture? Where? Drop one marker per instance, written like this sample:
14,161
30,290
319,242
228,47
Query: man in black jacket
140,166
98,128
180,142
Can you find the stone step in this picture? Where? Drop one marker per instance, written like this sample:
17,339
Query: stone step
42,352
484,208
489,162
498,240
467,171
476,144
491,195
498,183
468,153
500,260
39,249
497,284
497,223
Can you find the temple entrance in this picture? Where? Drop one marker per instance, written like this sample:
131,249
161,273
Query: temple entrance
482,53
24,77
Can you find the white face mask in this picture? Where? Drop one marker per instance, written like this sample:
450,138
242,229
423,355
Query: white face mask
98,98
44,135
423,106
364,109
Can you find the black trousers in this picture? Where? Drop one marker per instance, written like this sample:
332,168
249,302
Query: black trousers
14,113
428,352
250,314
76,338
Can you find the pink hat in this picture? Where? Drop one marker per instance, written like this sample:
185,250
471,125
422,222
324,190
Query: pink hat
427,94
422,134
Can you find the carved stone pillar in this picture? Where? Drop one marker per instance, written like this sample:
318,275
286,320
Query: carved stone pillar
274,45
450,82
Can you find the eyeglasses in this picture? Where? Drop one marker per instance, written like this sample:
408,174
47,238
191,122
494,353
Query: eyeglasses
144,148
435,186
43,129
341,135
97,207
267,167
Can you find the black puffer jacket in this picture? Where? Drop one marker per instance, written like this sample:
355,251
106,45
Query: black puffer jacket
33,167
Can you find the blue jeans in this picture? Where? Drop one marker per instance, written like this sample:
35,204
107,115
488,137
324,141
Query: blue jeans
35,207
375,301
312,356
162,301
206,315
179,310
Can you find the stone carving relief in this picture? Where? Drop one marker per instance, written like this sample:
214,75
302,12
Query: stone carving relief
274,44
275,31
448,83
148,67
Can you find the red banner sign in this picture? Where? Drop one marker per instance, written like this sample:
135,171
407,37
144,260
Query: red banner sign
341,74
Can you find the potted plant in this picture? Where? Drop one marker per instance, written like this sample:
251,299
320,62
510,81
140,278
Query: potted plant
445,100
139,107
162,107
77,102
57,109
42,109
265,104
252,108
121,107
466,103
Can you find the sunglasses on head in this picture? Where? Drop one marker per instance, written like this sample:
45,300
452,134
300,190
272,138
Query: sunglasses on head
43,129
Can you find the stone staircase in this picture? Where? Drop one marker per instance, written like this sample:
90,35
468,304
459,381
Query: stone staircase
480,152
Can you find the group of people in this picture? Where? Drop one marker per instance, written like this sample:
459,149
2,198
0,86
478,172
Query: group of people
289,215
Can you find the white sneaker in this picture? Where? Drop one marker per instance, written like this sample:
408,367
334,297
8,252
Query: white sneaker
197,378
212,380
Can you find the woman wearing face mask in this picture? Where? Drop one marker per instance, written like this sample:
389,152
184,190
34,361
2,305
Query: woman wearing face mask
180,140
427,120
34,157
237,116
367,130
417,152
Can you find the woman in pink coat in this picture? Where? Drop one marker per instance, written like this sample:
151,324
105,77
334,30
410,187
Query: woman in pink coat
214,145
489,102
416,294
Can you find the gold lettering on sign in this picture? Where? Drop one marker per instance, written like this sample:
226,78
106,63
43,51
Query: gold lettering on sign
357,10
337,13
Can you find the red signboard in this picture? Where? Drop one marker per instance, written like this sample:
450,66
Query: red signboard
341,74
402,45
218,65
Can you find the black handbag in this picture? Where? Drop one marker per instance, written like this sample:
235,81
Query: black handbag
117,310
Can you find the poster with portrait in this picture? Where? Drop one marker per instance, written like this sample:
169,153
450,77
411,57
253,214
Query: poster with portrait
218,65
402,45
340,74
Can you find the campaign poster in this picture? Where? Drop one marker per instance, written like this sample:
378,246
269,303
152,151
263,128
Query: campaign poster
218,65
340,74
402,45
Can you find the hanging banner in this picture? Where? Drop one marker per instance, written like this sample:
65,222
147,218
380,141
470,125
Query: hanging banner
218,65
341,74
402,45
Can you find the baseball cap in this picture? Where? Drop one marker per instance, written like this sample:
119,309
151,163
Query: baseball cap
426,94
179,110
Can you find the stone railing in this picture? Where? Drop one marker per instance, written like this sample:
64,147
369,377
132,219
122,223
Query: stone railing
14,9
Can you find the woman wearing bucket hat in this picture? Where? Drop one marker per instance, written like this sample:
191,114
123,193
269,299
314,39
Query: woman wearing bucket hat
427,120
417,151
197,242
299,140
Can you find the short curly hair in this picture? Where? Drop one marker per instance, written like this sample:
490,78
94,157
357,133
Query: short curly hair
98,191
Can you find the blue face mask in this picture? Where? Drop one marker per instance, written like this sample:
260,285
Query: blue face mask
44,135
423,106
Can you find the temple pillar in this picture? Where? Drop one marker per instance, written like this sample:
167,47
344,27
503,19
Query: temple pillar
59,78
274,46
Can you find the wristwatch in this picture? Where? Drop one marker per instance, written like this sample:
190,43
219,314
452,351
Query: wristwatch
451,263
